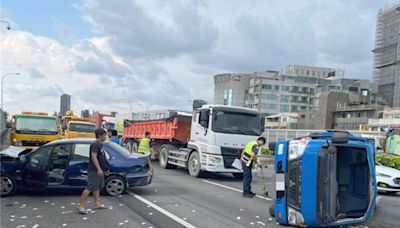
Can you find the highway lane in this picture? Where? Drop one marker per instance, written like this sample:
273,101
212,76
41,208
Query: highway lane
174,199
204,204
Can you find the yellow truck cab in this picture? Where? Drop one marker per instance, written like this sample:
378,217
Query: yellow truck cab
77,127
30,130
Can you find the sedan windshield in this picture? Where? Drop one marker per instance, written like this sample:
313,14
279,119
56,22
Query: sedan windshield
236,123
36,124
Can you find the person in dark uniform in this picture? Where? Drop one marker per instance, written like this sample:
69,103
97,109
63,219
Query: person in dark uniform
249,158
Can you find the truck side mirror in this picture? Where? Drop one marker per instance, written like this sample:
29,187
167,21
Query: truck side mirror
204,118
262,127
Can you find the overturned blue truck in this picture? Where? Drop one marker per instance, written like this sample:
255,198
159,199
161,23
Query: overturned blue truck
324,180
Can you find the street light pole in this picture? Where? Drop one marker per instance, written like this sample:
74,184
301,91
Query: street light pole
2,88
8,24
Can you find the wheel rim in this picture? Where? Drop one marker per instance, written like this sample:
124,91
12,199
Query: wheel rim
194,164
6,185
115,187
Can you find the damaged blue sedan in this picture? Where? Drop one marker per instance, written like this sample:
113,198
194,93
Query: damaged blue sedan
63,164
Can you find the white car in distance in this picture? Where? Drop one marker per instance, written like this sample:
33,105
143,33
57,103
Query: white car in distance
388,179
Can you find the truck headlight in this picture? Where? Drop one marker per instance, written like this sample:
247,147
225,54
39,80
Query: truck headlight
297,148
215,159
18,143
295,217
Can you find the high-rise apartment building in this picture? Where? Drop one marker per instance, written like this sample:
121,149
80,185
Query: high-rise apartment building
386,70
65,103
230,88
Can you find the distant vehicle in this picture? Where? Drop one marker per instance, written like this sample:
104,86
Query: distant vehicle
209,140
105,121
120,121
392,143
388,179
76,127
63,164
108,123
325,180
30,130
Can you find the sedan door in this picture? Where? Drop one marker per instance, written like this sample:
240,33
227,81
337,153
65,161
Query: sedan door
35,170
78,165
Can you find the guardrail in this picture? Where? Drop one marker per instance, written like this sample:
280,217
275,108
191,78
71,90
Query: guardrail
273,135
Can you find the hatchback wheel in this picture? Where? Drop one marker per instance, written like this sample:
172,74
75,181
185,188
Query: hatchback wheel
115,185
8,187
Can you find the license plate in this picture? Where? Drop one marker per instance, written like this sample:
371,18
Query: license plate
280,182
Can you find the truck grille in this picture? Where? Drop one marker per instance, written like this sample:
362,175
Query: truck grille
294,189
396,180
33,143
229,155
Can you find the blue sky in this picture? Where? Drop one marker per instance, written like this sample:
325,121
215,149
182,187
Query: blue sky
49,18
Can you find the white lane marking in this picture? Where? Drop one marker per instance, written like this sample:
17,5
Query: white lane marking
163,211
378,199
234,189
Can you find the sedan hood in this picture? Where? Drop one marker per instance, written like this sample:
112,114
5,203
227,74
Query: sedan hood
387,171
11,151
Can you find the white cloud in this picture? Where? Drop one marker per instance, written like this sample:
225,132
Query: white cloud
164,53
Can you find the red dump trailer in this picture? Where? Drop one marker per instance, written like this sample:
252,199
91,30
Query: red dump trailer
173,131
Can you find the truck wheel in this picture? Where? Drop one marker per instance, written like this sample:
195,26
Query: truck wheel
194,165
272,210
238,175
163,157
128,145
8,186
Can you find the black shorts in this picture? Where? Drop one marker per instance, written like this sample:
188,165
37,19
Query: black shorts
95,182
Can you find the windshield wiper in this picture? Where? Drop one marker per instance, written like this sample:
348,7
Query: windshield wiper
25,130
248,132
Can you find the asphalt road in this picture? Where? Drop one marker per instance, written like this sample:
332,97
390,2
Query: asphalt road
174,199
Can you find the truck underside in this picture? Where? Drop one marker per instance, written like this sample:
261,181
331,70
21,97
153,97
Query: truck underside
353,182
345,195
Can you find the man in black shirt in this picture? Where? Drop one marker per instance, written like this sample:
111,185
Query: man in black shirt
98,167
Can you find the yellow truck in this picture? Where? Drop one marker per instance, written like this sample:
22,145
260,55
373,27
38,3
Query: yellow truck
30,130
77,127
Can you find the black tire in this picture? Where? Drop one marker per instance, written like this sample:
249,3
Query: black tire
238,175
271,210
163,157
8,186
115,185
135,146
194,165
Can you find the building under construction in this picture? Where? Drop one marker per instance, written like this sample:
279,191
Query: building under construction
386,71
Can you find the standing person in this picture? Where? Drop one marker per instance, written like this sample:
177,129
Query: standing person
144,144
114,137
249,157
109,133
98,167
